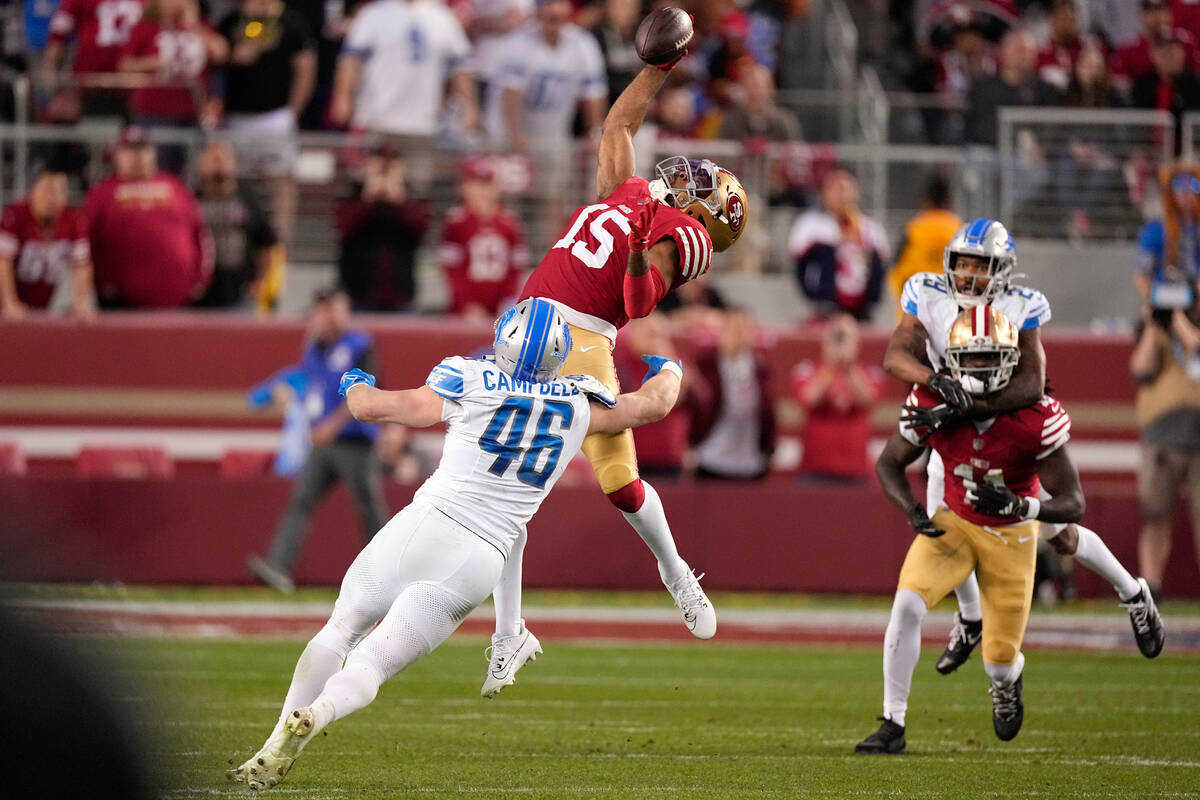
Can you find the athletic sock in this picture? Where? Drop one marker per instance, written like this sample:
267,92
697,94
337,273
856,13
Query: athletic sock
650,521
352,689
507,594
1005,674
315,666
901,648
1095,555
967,592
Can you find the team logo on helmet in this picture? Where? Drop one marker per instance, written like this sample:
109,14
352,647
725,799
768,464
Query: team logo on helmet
737,213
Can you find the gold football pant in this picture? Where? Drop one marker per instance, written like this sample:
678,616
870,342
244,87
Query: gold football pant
611,455
1004,559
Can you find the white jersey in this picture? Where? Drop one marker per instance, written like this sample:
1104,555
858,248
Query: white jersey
552,80
489,47
408,49
925,297
507,443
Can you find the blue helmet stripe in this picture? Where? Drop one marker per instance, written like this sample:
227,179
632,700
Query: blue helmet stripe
977,230
520,370
535,339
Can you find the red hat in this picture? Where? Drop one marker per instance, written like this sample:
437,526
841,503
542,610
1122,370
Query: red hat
478,168
133,136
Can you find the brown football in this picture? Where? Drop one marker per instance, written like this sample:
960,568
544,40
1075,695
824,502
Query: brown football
663,36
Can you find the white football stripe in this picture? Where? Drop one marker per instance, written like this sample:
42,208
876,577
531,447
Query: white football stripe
687,250
699,253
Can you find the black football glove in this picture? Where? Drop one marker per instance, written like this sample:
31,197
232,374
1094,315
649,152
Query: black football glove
949,388
997,500
930,419
921,523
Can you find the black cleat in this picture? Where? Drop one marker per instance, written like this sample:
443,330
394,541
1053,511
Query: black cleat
1008,711
963,637
1147,622
888,740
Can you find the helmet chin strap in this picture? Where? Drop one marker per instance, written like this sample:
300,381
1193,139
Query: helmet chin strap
658,190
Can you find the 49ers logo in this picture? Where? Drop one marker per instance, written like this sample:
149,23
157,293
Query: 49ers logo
737,213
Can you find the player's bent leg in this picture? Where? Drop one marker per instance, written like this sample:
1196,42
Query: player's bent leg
967,629
1006,570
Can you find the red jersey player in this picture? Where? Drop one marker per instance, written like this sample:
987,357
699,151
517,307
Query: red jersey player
42,239
100,29
483,247
174,48
995,469
617,259
150,244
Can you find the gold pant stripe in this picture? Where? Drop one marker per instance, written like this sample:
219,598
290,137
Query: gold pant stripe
612,455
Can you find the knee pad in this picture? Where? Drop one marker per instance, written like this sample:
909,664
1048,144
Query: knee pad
629,498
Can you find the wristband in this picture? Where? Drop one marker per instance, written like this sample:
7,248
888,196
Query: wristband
1035,507
674,368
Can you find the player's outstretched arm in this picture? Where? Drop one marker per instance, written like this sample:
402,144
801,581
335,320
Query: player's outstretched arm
1028,382
653,401
905,357
416,408
617,160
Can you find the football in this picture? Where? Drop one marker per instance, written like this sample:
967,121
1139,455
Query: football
663,36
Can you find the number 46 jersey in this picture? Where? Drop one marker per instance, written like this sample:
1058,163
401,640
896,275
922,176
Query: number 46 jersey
507,443
583,274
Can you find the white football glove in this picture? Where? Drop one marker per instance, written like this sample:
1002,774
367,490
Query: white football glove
593,388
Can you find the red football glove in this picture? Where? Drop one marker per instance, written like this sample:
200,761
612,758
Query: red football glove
639,232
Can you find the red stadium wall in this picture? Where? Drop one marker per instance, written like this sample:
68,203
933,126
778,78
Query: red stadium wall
186,370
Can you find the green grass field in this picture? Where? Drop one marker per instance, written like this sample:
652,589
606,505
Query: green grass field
688,720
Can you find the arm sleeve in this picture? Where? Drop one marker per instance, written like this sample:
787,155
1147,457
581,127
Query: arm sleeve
446,379
1055,429
643,292
1037,312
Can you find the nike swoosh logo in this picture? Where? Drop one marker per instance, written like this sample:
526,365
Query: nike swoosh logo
591,347
1023,539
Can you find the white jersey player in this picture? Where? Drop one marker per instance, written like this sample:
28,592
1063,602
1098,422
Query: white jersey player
512,425
550,69
394,65
977,269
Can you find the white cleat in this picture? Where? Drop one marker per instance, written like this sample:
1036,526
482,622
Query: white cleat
698,613
507,655
269,766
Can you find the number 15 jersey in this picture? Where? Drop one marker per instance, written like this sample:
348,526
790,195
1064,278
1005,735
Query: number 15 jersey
507,444
583,274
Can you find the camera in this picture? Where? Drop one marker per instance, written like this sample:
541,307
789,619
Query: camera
1168,296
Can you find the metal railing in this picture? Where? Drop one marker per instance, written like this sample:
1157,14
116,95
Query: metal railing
1079,173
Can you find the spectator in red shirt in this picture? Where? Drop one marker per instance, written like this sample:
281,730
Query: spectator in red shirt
662,446
150,246
42,239
1056,61
381,229
483,249
173,48
837,394
1132,61
734,431
100,29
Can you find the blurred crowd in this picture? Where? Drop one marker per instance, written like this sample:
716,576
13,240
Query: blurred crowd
986,54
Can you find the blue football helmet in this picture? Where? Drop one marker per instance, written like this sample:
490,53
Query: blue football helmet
985,239
532,341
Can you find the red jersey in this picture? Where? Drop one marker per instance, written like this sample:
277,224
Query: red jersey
1056,61
41,257
183,60
836,430
1005,449
482,258
101,27
150,246
585,269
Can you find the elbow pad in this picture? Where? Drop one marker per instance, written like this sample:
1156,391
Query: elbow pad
642,293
